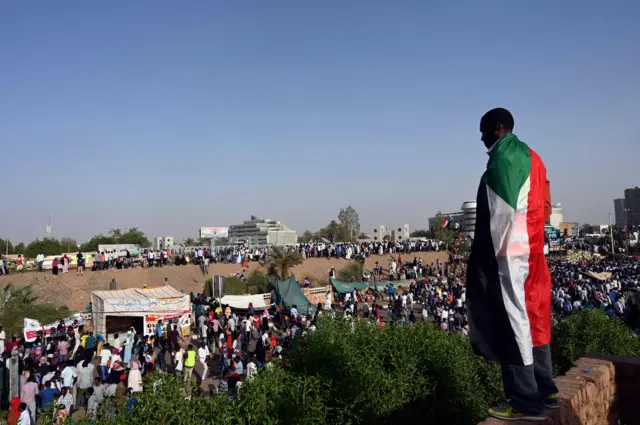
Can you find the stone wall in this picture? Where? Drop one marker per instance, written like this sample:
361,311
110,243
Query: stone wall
627,382
598,390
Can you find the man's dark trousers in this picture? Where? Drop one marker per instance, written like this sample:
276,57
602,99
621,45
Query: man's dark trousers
526,387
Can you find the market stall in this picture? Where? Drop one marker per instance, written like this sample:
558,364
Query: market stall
117,311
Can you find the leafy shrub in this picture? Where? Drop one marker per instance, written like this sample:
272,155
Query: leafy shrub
234,286
352,269
207,289
398,374
12,318
279,396
590,332
258,283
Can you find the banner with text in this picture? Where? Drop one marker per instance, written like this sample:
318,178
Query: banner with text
214,232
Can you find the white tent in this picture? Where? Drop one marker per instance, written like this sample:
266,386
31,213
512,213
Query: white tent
259,301
116,311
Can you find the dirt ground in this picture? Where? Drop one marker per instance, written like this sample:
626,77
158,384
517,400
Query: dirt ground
75,291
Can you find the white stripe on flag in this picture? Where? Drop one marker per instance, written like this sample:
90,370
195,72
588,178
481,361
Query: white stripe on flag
511,243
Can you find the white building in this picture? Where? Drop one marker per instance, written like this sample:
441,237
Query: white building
163,242
395,234
469,218
557,216
262,232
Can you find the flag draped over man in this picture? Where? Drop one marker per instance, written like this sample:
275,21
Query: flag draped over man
508,281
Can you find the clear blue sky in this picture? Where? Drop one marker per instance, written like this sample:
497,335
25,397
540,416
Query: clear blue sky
169,115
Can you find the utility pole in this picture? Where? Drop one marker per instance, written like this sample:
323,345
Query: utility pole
7,249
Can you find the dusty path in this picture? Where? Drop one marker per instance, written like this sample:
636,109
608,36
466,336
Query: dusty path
75,291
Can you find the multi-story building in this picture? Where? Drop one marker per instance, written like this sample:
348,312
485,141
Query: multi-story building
567,228
469,218
163,242
557,216
632,206
262,232
395,234
618,208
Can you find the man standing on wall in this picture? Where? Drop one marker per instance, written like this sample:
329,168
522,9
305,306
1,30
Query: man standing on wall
508,281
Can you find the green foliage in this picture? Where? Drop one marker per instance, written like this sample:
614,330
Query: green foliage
116,236
346,229
444,234
207,289
68,245
281,261
586,229
590,332
332,232
306,237
398,374
353,269
234,286
21,304
20,248
48,246
349,223
279,396
6,247
258,283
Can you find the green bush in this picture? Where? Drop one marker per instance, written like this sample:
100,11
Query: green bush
234,286
207,289
279,396
22,305
258,283
398,374
352,269
590,332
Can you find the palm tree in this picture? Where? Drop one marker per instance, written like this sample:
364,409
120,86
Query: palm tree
23,296
282,260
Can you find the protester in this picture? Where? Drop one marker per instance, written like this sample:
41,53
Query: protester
508,281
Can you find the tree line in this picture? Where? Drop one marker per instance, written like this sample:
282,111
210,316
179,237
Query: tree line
346,228
55,246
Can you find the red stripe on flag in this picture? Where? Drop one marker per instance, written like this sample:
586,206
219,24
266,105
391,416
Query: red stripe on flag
537,287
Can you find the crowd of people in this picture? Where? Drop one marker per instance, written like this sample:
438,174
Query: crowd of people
203,256
440,294
618,294
71,369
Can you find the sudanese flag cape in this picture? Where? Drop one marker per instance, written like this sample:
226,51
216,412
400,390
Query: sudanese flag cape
508,281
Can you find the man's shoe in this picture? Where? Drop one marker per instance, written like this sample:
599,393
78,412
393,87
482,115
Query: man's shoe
552,401
508,413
